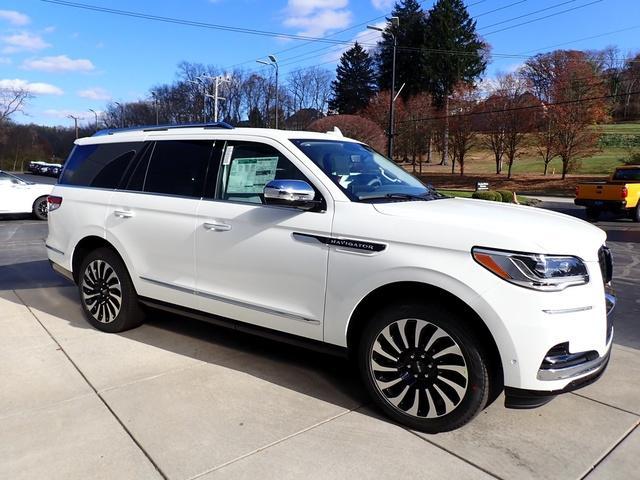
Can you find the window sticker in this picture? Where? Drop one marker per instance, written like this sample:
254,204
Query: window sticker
250,175
227,155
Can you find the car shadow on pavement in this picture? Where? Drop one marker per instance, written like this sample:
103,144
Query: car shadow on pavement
33,274
319,375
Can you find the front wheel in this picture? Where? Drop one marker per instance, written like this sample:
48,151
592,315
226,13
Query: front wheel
41,208
423,368
107,295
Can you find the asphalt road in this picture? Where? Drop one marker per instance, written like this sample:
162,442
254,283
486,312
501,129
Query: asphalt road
183,399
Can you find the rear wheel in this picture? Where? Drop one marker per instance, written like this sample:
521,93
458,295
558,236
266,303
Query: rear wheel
635,213
422,368
40,208
107,295
593,213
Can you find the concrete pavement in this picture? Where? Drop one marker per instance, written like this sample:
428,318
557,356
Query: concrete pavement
180,399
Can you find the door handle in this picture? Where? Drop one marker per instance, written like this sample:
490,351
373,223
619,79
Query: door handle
217,226
123,213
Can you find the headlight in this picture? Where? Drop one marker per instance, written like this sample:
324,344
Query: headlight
549,273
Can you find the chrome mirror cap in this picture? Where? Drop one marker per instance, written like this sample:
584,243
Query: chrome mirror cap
289,192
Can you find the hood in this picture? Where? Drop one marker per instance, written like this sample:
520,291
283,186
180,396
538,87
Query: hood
462,224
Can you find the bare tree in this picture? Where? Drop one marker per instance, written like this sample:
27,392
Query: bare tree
462,135
12,100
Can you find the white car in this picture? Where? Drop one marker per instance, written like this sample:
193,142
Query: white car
442,302
20,196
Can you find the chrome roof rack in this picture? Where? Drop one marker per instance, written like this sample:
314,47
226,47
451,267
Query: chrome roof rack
162,128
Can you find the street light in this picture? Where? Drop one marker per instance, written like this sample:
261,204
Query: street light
95,115
274,63
75,120
155,104
393,23
121,113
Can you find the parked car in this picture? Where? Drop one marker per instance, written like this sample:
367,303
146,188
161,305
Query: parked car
318,239
44,168
620,194
19,196
34,167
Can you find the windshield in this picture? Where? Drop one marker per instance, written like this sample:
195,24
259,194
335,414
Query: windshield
362,173
632,174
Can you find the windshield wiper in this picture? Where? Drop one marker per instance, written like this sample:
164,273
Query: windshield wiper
401,196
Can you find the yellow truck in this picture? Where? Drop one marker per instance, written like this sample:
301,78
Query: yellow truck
620,194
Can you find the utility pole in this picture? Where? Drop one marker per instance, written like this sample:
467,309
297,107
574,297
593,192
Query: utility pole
217,81
393,23
274,63
95,115
75,120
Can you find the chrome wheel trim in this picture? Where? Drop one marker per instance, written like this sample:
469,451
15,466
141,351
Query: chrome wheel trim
43,208
101,291
418,368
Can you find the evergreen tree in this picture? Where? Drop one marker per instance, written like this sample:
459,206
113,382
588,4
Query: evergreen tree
355,81
410,33
452,54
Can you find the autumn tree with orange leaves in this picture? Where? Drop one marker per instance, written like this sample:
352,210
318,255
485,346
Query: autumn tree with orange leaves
577,105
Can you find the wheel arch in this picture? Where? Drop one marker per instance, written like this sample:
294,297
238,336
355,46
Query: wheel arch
412,290
83,247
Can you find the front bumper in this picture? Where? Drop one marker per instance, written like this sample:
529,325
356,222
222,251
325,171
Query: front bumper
582,367
520,398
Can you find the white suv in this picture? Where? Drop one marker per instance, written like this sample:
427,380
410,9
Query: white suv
442,302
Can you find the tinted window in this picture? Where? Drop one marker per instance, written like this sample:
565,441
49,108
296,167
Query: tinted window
632,174
248,167
99,165
178,167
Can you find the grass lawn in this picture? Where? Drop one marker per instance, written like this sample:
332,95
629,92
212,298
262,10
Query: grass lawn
621,128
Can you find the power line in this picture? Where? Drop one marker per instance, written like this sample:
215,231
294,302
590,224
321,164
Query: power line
585,38
527,107
543,18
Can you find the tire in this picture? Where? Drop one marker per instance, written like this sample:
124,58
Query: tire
593,213
40,208
635,213
433,391
108,298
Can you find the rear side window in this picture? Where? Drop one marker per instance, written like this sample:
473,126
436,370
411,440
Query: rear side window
100,165
178,167
631,174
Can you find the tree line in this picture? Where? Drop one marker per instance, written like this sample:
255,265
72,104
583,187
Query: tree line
445,106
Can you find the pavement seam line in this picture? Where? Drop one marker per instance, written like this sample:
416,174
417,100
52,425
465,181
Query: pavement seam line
611,450
104,402
635,414
459,457
272,444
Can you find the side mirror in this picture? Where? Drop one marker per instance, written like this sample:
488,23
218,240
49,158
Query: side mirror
292,193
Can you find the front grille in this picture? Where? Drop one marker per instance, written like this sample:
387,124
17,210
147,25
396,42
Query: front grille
606,263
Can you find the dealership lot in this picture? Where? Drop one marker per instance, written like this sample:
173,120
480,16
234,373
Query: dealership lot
181,399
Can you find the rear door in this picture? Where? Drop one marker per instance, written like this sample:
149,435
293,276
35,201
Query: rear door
152,218
258,263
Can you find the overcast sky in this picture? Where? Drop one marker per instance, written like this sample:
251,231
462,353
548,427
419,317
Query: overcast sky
75,59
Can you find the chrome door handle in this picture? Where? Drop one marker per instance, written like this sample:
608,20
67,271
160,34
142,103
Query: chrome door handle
217,226
123,213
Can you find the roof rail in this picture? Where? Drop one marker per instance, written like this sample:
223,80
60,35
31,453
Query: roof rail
161,128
